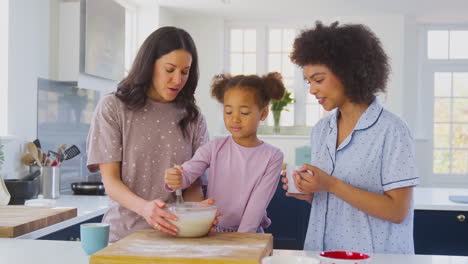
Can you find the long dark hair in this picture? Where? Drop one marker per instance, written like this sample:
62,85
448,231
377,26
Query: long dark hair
133,89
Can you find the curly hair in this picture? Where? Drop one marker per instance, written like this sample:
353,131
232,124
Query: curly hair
352,52
133,89
266,88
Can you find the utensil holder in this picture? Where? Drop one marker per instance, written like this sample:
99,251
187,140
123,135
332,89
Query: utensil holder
49,181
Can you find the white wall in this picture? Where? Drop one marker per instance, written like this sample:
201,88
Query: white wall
412,103
147,19
68,41
166,17
28,60
4,33
208,34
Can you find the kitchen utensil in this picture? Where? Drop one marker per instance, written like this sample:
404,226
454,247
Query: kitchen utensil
179,198
290,260
71,152
37,143
61,149
41,155
88,188
50,182
22,190
55,156
27,159
17,220
151,246
343,257
33,151
31,176
195,219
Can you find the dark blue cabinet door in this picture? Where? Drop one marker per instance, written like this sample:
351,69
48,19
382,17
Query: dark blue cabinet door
290,218
70,233
440,232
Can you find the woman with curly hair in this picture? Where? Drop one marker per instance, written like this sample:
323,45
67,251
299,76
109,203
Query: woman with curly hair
362,172
150,123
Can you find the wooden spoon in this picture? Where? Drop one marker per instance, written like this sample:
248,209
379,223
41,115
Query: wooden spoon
34,153
27,159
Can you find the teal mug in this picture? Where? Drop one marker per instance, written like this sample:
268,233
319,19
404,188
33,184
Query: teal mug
94,237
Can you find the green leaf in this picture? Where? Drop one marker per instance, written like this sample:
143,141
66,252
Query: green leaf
281,104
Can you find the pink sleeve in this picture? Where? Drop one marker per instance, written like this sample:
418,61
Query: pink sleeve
197,165
200,137
104,142
261,196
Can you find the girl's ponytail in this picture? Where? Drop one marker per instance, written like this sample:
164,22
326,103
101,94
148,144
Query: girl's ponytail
273,86
219,86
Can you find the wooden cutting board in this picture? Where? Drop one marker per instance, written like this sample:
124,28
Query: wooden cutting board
17,220
150,246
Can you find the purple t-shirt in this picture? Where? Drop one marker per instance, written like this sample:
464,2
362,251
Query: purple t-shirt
146,142
241,180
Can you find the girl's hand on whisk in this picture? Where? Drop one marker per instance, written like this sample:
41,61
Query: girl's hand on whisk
173,177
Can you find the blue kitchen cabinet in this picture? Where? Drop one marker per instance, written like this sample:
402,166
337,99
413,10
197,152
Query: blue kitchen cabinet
441,232
70,233
290,218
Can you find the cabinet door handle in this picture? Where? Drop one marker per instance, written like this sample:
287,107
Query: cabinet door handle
461,218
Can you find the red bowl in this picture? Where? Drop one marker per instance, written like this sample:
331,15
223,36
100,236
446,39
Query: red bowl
344,256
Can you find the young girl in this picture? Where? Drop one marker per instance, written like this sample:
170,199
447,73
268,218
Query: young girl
243,171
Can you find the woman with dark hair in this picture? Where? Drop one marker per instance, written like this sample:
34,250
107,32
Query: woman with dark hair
362,171
150,123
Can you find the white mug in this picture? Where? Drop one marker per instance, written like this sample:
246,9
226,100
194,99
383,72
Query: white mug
290,176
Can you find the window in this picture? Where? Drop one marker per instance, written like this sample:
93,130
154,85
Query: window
280,42
447,44
260,49
451,122
446,70
243,51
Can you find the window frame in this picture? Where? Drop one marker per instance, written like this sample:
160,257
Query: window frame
426,91
300,91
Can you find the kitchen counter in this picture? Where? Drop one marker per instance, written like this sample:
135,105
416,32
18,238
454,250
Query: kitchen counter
438,199
88,206
12,251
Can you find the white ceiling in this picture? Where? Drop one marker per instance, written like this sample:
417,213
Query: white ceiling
446,10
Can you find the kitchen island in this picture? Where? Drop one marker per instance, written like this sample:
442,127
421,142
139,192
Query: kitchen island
27,251
88,207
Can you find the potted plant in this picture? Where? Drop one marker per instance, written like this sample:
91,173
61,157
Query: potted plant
277,107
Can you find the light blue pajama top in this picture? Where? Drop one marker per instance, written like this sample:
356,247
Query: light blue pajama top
377,156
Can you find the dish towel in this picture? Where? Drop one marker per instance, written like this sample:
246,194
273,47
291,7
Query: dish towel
459,198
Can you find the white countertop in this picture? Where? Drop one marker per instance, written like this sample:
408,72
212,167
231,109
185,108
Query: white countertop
88,206
26,251
438,199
